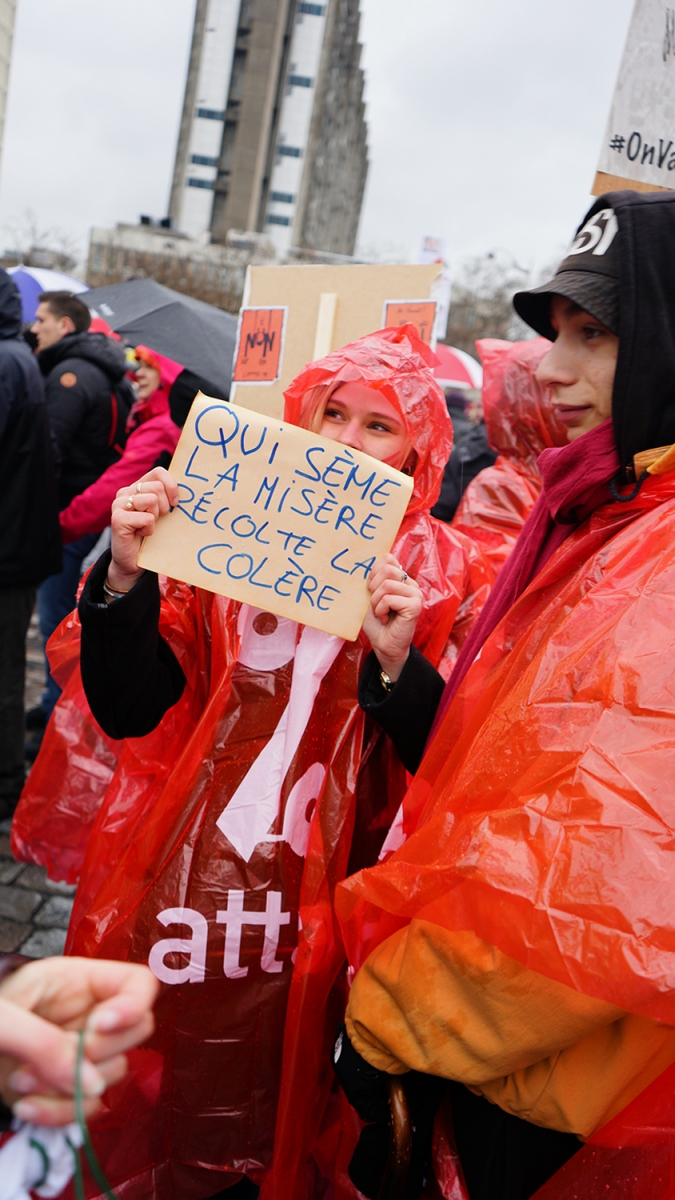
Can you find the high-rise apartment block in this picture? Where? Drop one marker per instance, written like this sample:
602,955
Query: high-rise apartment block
273,132
7,14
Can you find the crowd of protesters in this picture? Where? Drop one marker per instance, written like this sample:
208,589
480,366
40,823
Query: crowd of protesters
467,878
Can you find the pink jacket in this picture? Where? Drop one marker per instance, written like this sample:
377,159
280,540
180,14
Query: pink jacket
90,511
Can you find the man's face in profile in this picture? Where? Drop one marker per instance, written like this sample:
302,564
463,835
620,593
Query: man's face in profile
49,329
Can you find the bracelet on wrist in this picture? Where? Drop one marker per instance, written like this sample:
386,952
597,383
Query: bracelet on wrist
387,682
110,593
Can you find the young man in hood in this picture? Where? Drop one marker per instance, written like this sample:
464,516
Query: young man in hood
87,405
29,530
518,944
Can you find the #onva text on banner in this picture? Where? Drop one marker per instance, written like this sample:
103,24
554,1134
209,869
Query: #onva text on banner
638,150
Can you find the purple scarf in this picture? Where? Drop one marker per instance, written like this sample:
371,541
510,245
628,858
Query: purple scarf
575,482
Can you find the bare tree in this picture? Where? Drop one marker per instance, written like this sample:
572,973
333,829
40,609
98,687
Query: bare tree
217,280
39,247
381,252
481,304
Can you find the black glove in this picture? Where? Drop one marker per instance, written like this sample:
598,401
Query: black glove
367,1090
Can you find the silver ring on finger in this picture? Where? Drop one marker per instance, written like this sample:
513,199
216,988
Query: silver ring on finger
139,488
404,576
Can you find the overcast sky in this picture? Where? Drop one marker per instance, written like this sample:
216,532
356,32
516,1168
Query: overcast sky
485,117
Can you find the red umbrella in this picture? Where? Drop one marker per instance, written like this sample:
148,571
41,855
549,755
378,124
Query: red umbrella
457,369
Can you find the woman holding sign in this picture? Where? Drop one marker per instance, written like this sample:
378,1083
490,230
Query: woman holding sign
248,779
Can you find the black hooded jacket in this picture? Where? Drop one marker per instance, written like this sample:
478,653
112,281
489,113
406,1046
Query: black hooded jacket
30,539
468,458
84,374
643,400
643,416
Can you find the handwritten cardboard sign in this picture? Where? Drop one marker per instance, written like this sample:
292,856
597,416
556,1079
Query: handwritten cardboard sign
638,150
277,517
260,345
328,306
420,313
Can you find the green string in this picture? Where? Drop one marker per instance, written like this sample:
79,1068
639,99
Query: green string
45,1163
94,1165
79,1180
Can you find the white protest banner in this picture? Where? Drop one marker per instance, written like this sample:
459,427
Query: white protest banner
639,147
435,249
277,517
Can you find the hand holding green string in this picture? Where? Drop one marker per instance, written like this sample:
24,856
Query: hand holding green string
42,1006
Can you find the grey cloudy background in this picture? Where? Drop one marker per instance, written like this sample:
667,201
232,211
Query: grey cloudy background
485,117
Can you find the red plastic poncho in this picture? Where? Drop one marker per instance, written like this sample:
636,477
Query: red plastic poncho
70,775
76,768
630,1158
520,424
224,832
546,819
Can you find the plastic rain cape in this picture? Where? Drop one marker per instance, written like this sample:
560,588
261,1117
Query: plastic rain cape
543,814
221,837
520,423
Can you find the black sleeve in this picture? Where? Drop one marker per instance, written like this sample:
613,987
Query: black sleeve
469,457
67,406
131,676
407,712
451,488
12,387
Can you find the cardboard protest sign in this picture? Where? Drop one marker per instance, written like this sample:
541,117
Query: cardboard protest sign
328,306
277,517
420,313
260,345
638,151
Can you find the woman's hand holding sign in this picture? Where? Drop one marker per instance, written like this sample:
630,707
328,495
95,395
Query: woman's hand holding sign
395,606
135,511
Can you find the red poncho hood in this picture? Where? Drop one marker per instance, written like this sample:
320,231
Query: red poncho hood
400,366
518,412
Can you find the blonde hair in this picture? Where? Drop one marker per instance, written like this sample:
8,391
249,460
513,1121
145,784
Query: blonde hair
314,404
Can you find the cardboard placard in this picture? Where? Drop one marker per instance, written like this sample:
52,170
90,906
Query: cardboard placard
328,306
260,345
420,313
277,517
638,150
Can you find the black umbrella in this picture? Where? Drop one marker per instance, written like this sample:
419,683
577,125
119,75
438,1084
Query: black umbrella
189,331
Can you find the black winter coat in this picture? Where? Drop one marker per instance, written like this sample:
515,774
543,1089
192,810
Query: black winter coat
30,539
81,372
130,674
469,456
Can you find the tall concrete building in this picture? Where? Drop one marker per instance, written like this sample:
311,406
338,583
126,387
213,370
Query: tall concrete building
7,14
273,134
